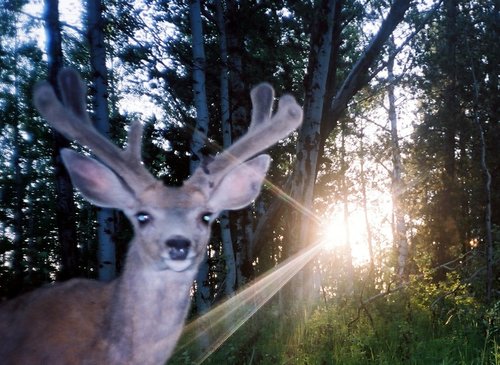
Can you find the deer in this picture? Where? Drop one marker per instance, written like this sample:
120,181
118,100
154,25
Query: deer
138,317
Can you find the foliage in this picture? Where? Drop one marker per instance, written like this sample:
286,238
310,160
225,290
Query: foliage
399,329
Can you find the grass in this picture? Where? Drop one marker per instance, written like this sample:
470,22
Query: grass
399,331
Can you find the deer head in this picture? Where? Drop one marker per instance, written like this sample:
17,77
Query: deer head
170,223
137,318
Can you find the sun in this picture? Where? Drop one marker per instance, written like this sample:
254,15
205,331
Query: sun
336,234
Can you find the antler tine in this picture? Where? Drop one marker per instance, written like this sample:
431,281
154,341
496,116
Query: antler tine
134,144
72,120
264,130
71,84
262,101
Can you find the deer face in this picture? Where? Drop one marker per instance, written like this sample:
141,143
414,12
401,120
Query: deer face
172,225
172,228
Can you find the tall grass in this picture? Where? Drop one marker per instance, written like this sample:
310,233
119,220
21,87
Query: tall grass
392,331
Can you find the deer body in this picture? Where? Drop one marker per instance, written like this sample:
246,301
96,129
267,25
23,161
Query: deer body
138,317
62,317
87,322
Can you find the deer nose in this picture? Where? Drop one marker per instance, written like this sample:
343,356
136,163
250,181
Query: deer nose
178,248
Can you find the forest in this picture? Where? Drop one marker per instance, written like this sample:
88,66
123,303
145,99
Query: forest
376,237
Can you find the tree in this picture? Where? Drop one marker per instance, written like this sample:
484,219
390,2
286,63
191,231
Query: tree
357,77
65,206
200,131
399,230
224,221
100,91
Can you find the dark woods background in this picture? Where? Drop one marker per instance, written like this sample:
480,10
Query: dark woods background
401,101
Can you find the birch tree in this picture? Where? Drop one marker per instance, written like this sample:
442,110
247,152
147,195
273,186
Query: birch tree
105,216
308,142
399,229
309,137
364,202
199,136
344,191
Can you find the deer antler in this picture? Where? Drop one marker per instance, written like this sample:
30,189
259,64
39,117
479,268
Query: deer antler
71,119
264,131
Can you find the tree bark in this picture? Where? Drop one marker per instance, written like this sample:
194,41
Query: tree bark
369,238
198,141
239,120
199,137
344,188
65,205
448,234
304,172
105,217
224,220
303,178
487,186
399,228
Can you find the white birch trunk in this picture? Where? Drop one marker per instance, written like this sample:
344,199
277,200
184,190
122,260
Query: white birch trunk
199,88
105,217
304,174
369,238
349,270
309,140
399,230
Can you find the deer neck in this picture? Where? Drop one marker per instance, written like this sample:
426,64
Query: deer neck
147,312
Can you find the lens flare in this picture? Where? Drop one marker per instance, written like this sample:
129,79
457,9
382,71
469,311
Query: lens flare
223,320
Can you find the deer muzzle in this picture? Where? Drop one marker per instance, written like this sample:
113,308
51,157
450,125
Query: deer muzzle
178,248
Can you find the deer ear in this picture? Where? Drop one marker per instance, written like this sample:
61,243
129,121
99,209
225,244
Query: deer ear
97,183
241,185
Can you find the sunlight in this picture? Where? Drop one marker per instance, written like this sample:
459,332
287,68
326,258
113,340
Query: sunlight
336,235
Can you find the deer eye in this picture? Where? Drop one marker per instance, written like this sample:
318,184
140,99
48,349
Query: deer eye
206,218
143,218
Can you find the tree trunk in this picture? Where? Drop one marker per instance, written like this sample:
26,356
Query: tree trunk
203,296
18,241
239,119
344,188
302,185
65,205
358,76
487,186
224,221
199,138
399,229
304,172
369,238
105,216
447,234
